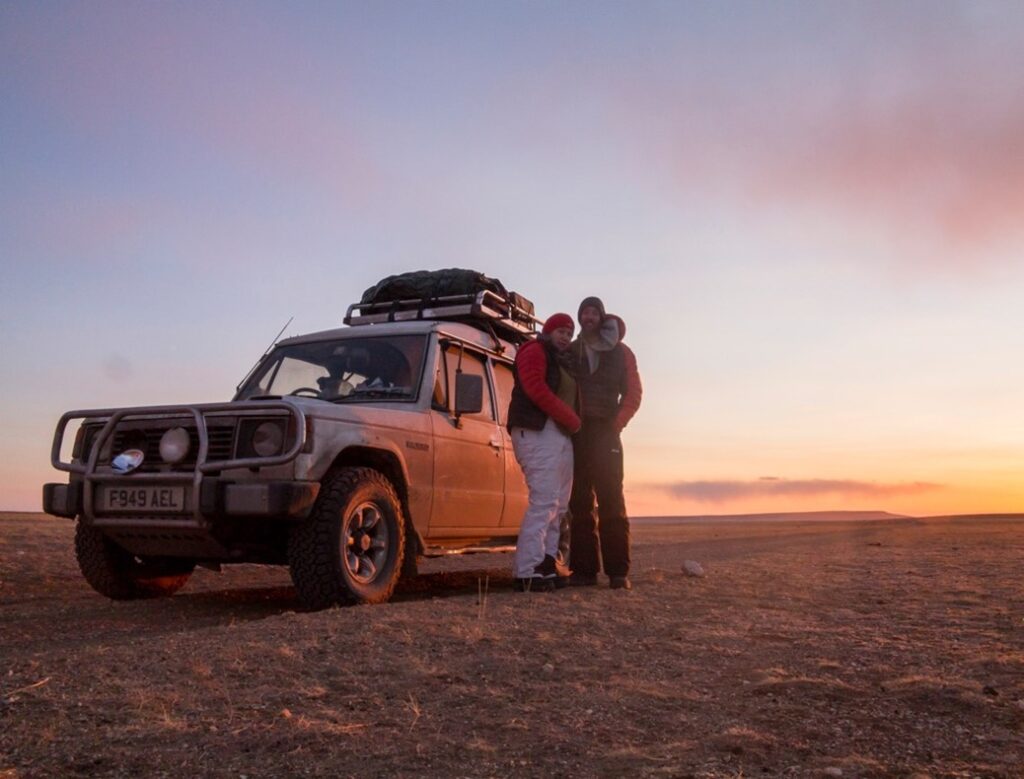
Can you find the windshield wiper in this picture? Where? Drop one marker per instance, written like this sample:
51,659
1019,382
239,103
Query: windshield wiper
372,392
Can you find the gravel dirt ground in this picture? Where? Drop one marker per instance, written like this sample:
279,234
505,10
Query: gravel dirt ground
854,649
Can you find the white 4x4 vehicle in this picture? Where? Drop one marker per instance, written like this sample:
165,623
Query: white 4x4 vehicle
345,454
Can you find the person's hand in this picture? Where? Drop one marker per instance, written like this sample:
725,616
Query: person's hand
573,428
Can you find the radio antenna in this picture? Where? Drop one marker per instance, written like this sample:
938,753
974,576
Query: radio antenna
268,350
279,333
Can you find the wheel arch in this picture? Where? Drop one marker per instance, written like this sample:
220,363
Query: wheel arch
389,464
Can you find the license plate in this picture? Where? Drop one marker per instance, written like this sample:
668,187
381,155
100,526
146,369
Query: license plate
142,499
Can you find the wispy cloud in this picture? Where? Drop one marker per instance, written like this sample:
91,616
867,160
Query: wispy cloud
928,163
221,88
720,491
70,229
901,122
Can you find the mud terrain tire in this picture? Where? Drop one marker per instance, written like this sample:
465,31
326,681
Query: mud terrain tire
350,550
118,574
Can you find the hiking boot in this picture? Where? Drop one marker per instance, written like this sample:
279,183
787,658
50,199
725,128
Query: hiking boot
547,567
535,584
619,583
583,580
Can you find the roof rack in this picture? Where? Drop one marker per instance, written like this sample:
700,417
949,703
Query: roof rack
483,308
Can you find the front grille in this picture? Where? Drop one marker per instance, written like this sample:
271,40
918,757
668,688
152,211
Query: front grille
221,445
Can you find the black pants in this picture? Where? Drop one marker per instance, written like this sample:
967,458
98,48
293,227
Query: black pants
597,474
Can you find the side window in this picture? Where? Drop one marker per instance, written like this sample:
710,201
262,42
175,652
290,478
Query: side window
472,364
504,381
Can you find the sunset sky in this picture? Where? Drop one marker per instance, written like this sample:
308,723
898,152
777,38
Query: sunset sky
810,215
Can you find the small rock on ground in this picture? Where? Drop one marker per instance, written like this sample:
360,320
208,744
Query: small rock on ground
693,568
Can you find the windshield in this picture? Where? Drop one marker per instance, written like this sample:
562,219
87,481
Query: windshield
352,369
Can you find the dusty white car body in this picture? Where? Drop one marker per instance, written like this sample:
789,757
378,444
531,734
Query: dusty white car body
383,468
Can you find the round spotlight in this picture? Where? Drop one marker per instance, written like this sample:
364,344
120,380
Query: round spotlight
267,439
174,445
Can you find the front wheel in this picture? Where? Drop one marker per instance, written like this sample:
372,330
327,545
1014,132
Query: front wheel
115,572
350,550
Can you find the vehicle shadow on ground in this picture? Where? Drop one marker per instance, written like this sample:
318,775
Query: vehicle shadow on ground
452,584
258,602
262,601
209,602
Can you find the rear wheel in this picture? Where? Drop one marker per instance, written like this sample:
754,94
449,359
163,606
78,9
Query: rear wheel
117,573
351,548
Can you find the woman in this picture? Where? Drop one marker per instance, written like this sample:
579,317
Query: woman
541,418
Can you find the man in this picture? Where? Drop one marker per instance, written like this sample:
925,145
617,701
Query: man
610,393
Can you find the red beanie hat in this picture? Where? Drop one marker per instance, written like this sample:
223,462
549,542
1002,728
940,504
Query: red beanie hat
556,321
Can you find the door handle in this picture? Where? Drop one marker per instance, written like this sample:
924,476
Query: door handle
495,444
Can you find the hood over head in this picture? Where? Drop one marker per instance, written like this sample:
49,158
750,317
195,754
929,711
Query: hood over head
592,301
607,336
621,324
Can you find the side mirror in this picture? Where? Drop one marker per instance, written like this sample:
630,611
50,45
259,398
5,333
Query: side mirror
469,394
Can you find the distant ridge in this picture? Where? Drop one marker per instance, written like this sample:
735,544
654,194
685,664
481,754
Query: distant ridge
812,516
1014,517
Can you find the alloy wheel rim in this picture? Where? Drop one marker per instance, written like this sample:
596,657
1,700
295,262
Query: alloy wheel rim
364,543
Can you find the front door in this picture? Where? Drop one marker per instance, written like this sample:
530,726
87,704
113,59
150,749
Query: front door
469,454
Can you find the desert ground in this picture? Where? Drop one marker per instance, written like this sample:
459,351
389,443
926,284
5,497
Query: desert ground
843,648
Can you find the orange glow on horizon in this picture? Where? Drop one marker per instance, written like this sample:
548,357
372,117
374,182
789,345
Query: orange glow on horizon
952,499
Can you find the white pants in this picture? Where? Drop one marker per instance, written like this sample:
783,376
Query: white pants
546,459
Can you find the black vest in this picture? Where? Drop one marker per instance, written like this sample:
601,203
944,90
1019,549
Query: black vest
601,389
521,411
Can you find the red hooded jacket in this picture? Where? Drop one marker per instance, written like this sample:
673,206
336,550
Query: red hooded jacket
629,403
531,375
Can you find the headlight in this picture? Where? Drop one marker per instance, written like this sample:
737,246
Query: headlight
174,445
268,439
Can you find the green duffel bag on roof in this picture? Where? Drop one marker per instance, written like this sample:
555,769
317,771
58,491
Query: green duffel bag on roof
432,284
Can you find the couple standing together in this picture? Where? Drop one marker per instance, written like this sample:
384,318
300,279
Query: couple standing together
570,402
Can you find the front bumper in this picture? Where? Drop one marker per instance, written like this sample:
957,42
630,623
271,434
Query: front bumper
196,495
218,498
63,500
